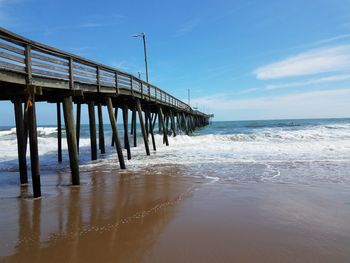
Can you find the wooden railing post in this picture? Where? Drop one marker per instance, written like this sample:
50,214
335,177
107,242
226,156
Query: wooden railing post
141,90
28,62
71,73
131,85
116,83
98,78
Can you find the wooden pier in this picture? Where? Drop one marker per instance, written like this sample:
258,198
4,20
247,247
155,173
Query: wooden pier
32,72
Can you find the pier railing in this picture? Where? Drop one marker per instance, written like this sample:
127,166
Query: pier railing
33,59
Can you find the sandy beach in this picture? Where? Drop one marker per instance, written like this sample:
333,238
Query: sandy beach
165,217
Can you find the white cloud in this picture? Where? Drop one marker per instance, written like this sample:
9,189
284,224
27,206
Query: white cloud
308,82
312,62
313,104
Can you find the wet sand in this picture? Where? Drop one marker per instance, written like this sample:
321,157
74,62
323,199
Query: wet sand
166,217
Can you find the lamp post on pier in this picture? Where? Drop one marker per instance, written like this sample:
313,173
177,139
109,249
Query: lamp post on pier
143,35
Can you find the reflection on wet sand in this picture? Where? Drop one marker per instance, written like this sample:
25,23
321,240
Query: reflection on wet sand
111,218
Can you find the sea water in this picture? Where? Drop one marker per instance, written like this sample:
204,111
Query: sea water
282,151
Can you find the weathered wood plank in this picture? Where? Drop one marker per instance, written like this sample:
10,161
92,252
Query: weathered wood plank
12,57
48,59
11,48
13,67
48,66
46,73
80,67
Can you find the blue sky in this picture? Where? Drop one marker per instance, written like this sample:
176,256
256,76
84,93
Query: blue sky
240,59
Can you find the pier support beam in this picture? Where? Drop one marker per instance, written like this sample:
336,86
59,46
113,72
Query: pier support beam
146,124
59,133
173,123
151,130
154,120
166,117
160,126
101,136
185,124
134,127
143,129
161,122
71,139
126,134
25,125
115,133
92,123
133,117
116,118
78,124
33,142
22,162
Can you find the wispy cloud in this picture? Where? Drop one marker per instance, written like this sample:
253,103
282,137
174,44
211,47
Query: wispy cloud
249,90
308,82
187,27
90,21
123,65
313,104
331,39
312,62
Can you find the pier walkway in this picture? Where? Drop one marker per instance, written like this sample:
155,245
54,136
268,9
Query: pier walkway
32,72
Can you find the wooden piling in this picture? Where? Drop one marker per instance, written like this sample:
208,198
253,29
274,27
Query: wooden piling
126,135
115,133
33,143
185,124
161,122
116,118
25,126
154,120
71,139
92,124
78,124
143,128
59,133
172,123
133,118
134,127
146,124
101,135
21,148
151,131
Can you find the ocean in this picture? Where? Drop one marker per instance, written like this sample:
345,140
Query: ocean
243,151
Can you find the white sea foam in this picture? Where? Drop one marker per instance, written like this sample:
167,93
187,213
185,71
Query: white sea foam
264,149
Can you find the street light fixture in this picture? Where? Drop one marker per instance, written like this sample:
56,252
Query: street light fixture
140,73
143,35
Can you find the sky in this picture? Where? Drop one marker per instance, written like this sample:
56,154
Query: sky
241,59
